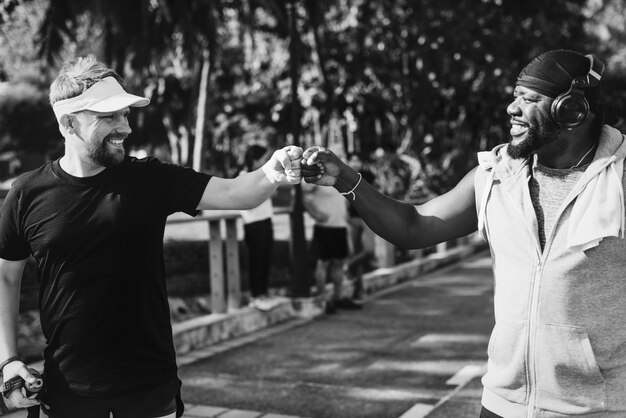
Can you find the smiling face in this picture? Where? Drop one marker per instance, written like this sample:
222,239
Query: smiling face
532,127
103,135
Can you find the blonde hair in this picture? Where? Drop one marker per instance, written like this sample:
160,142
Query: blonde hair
77,76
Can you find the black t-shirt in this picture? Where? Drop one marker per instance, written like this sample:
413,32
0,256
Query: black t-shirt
98,245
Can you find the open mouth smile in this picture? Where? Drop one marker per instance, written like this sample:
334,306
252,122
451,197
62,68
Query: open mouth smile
116,141
518,128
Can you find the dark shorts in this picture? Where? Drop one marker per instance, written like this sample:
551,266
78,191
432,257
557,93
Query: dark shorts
158,401
330,243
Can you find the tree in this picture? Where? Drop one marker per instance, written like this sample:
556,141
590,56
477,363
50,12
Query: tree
142,41
427,79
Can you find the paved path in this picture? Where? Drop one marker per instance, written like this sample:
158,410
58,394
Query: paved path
200,411
414,351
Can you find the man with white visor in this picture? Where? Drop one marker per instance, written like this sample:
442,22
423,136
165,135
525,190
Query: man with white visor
93,221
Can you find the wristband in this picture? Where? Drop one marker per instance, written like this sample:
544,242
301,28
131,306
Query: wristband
9,360
351,192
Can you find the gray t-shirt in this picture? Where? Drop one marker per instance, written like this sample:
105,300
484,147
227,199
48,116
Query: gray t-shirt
548,189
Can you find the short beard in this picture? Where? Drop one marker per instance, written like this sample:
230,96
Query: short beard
105,158
536,138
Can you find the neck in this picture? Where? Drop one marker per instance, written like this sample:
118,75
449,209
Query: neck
79,167
567,155
572,148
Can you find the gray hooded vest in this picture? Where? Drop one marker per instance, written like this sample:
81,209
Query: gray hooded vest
558,347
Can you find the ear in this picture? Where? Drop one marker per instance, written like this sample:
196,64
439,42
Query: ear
68,122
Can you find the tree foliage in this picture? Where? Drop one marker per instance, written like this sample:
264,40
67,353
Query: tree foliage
422,81
27,120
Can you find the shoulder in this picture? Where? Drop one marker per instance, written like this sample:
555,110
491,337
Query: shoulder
33,178
29,186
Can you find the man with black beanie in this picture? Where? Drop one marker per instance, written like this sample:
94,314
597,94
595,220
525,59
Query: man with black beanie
550,203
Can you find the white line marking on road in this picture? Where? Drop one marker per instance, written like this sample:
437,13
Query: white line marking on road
419,410
466,374
433,367
430,340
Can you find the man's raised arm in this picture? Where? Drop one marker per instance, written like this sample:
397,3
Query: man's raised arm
251,189
445,217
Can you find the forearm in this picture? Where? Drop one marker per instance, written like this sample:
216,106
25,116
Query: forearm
243,192
391,219
9,311
8,324
252,189
443,218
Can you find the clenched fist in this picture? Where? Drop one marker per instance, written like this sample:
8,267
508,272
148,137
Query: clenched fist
320,166
284,166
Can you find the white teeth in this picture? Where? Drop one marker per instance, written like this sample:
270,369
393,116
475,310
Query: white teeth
517,129
116,141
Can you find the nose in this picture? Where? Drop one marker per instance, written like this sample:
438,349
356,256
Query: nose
123,127
513,108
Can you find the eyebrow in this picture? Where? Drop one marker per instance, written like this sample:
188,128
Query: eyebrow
528,93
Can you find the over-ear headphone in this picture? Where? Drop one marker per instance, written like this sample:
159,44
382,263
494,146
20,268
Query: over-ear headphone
571,108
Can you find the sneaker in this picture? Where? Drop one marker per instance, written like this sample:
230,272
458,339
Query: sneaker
349,304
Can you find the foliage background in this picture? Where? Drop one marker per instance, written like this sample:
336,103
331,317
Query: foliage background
415,87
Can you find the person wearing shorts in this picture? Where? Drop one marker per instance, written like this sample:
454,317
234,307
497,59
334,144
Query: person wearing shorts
330,242
258,228
93,221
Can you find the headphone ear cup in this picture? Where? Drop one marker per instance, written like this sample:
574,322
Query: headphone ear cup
569,110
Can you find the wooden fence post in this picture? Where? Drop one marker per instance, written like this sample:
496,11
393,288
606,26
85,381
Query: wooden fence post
233,276
216,262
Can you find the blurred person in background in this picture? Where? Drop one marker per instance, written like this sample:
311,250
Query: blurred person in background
94,220
258,235
330,242
550,203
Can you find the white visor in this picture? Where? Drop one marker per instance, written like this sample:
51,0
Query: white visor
107,95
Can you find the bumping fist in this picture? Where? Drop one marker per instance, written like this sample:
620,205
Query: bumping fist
311,170
284,166
320,166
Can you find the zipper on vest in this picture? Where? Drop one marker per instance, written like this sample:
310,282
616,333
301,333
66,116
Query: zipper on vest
532,337
534,303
